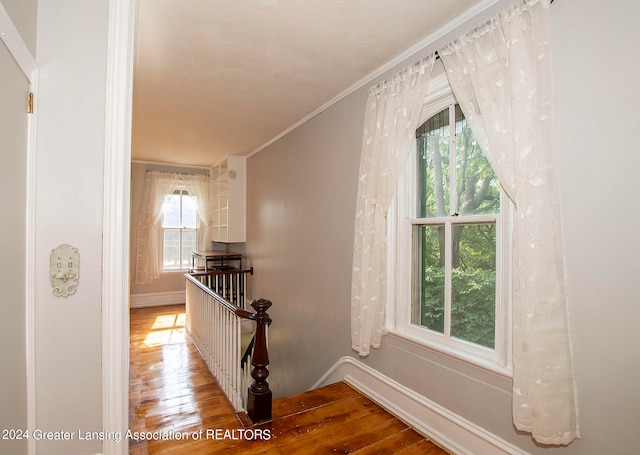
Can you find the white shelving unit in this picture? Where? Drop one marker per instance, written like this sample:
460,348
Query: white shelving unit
229,200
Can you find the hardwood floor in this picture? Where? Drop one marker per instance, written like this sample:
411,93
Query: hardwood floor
176,407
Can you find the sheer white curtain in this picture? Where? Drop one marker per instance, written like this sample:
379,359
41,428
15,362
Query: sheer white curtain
391,118
199,188
501,75
157,185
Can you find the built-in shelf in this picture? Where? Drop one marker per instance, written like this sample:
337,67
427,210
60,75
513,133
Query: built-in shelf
229,200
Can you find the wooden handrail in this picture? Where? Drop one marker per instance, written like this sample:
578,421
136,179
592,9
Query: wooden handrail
229,271
247,352
227,282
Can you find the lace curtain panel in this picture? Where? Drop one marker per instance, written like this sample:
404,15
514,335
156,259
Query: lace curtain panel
199,187
156,186
391,117
501,76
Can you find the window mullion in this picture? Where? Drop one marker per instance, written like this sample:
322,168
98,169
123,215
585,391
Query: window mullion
453,184
180,212
453,209
447,279
180,226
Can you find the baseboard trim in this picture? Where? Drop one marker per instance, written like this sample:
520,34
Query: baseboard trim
157,299
449,430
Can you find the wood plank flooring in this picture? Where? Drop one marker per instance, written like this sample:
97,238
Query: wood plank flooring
176,407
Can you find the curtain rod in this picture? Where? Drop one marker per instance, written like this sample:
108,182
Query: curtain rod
438,55
160,163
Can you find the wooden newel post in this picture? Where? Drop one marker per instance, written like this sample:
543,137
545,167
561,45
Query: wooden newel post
259,399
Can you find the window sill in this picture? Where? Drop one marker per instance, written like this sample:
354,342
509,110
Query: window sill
484,364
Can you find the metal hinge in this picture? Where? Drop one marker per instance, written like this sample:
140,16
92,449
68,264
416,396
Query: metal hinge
30,103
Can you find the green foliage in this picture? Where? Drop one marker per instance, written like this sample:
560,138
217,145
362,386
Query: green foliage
473,284
477,188
472,308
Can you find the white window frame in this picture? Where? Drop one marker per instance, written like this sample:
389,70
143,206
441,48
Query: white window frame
401,220
161,231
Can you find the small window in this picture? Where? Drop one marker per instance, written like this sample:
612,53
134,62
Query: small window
179,230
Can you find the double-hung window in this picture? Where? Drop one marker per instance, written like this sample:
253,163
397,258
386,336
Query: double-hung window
179,230
449,241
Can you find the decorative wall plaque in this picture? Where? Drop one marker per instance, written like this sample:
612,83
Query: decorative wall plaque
65,266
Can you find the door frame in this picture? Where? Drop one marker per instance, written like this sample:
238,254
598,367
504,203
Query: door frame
10,36
116,215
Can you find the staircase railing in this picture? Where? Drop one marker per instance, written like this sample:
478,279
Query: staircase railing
217,322
229,283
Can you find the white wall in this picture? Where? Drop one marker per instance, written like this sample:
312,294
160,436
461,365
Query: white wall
71,53
13,165
300,227
300,208
597,98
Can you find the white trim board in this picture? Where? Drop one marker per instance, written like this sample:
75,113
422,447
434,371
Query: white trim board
17,48
158,299
30,310
116,224
451,431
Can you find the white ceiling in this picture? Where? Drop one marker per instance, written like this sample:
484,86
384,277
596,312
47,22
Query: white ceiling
221,77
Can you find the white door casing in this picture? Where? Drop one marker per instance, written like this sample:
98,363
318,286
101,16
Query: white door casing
117,169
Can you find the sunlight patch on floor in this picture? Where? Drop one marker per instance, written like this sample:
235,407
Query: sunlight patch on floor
166,329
